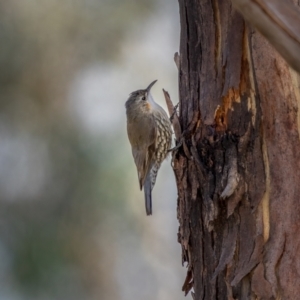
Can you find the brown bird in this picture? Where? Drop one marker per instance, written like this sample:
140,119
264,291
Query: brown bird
149,132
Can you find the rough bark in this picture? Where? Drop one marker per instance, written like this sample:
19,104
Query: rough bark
238,168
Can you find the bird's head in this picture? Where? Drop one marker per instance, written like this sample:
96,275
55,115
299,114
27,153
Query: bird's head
140,97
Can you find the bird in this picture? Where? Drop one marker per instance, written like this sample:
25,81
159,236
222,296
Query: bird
150,135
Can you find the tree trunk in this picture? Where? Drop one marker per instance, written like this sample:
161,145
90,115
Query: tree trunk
238,170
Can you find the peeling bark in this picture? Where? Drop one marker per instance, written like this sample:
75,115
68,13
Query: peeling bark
237,165
279,22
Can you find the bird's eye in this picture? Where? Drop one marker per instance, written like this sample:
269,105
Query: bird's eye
144,98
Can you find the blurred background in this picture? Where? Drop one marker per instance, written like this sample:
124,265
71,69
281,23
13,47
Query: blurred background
72,218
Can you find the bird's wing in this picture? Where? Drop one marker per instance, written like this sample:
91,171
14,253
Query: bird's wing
143,140
143,161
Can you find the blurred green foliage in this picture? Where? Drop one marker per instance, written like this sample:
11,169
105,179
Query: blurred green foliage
59,185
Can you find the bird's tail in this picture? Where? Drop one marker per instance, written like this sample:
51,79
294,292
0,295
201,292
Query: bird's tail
148,186
148,194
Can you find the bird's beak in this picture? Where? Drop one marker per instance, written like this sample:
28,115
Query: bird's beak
150,86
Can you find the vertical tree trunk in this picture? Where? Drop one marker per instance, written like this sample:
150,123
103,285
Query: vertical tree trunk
238,171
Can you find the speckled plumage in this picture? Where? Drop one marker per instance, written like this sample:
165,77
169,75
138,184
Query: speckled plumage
149,132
